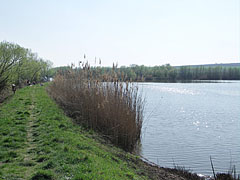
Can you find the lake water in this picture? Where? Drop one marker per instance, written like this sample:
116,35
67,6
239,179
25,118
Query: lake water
186,123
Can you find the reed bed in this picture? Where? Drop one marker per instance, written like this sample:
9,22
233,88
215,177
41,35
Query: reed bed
101,101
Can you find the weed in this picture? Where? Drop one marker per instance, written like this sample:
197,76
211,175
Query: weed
230,175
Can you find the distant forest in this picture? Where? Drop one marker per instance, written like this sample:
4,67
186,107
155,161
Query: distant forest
171,73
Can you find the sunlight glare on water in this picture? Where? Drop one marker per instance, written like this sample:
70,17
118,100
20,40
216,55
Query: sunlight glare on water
186,123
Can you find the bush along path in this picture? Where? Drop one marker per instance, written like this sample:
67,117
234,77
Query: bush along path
37,141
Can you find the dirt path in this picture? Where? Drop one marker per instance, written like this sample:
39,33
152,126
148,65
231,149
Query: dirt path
28,156
28,153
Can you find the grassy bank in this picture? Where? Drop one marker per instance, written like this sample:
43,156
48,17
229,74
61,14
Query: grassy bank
37,141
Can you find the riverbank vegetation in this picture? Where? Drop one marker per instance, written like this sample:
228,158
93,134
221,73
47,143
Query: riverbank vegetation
105,102
37,141
17,65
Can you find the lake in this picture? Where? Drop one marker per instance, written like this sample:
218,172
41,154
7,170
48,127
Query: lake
186,123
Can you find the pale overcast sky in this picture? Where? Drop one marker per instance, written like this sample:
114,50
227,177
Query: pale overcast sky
149,32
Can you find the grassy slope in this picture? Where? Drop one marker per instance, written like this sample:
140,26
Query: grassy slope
38,140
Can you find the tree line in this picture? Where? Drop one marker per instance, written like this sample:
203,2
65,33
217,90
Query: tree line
168,72
18,64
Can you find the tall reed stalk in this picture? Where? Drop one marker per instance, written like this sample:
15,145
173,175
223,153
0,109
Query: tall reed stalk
101,101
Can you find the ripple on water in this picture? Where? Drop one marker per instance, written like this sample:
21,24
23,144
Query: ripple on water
186,123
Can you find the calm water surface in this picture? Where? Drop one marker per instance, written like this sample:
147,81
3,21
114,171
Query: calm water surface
185,123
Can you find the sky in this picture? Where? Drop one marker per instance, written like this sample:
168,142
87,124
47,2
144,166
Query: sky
142,32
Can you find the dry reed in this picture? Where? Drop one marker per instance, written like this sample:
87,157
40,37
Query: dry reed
101,101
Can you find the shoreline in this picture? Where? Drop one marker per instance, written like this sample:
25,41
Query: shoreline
37,139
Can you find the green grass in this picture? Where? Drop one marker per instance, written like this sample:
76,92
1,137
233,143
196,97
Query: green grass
37,141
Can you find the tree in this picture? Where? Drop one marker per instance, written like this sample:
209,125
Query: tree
10,55
18,64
